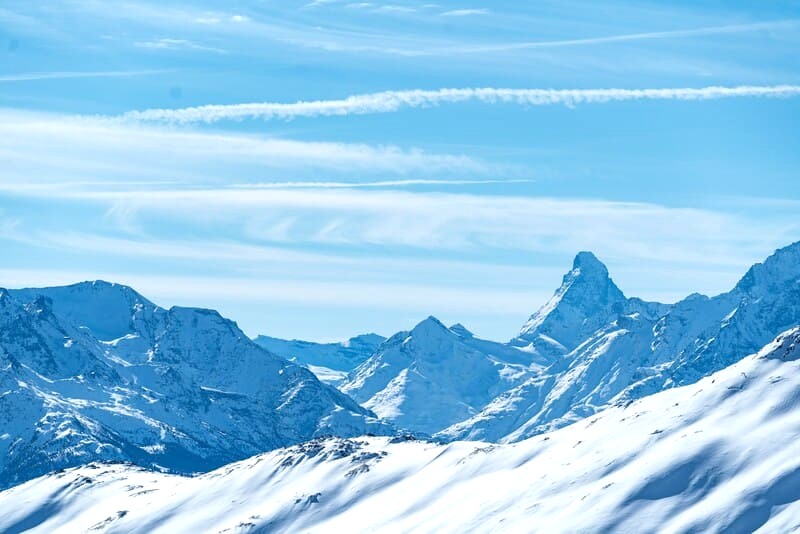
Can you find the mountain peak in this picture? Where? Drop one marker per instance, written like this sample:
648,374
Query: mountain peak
588,283
461,330
430,325
588,264
780,267
583,302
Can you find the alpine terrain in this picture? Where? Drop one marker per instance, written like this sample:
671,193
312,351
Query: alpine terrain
96,372
329,361
720,455
610,349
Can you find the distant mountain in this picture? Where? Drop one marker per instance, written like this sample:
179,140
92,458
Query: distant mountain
94,371
611,349
433,376
329,361
720,455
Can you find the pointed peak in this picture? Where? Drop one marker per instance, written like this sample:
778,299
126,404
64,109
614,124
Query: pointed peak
588,263
431,324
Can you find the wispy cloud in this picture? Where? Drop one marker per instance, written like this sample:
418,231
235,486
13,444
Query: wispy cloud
457,222
464,12
391,101
377,184
60,75
626,37
177,44
47,148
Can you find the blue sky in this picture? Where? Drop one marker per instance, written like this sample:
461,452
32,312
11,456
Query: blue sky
356,196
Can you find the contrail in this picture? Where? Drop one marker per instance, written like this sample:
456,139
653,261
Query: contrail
63,75
391,101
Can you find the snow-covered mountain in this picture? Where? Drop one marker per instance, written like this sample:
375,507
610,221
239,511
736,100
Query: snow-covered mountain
433,376
720,455
94,371
611,349
331,362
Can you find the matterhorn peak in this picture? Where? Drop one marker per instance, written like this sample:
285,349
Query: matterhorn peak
587,262
582,303
588,282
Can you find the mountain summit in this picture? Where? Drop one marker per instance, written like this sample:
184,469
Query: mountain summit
433,376
584,302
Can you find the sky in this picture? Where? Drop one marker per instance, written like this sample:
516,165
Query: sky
320,169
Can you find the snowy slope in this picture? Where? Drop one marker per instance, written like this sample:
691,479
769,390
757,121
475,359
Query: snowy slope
94,371
614,348
329,361
720,455
433,376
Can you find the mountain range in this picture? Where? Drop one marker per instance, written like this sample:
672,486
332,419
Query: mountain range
587,348
633,348
94,371
720,455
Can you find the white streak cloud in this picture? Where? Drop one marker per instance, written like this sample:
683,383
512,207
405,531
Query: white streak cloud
392,101
465,12
377,184
42,148
64,75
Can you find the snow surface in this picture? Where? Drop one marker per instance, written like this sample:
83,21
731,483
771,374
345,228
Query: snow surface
720,455
94,371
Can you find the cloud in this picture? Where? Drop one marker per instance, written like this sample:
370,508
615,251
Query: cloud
392,101
448,223
177,44
41,148
382,183
626,37
62,75
464,12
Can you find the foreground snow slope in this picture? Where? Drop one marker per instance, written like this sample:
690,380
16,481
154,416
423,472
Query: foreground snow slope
719,455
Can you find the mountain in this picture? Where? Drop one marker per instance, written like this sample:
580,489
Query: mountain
94,371
612,349
720,455
329,361
432,376
586,301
